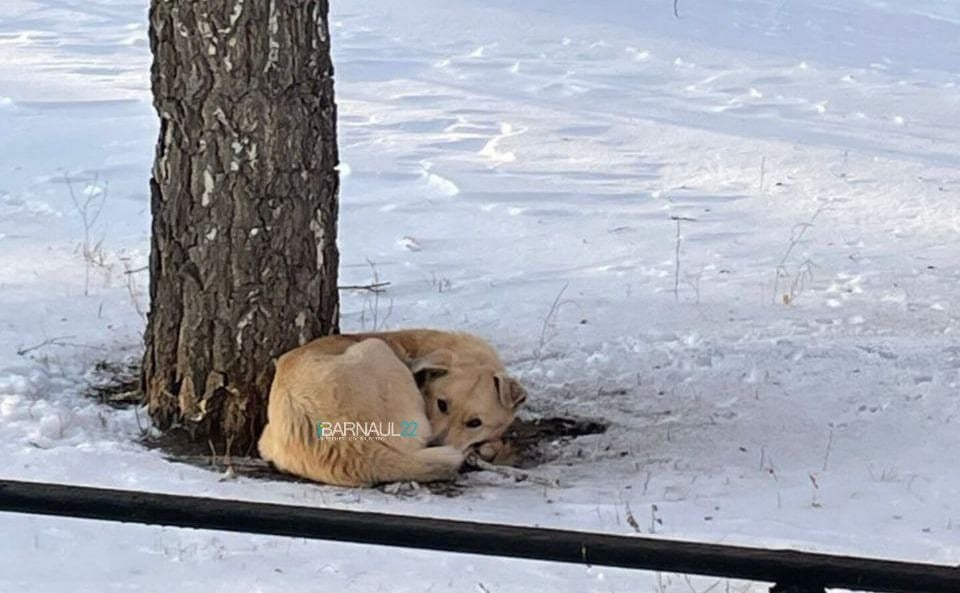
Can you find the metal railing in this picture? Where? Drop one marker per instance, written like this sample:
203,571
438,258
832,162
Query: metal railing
790,571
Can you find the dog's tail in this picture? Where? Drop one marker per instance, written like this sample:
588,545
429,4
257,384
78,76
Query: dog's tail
430,464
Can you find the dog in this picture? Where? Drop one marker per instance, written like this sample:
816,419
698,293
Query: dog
365,385
462,380
452,387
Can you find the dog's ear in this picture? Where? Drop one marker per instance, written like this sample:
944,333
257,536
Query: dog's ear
512,395
430,366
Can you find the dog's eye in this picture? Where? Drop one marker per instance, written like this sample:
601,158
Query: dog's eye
442,405
474,423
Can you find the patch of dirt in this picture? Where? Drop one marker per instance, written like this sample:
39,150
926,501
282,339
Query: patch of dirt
177,442
526,437
116,384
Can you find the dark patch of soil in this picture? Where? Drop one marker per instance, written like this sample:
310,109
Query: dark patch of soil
526,437
116,384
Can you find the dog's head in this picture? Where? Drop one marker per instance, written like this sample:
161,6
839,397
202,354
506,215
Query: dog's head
468,405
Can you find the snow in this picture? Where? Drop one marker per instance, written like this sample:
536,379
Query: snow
498,158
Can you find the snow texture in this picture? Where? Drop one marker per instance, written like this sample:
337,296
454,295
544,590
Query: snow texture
789,379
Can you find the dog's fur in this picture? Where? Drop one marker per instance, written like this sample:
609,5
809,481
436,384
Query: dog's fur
412,344
459,368
388,377
367,383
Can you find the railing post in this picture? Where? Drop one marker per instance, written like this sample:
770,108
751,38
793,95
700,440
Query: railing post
797,588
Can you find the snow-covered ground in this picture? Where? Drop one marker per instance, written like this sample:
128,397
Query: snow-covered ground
500,157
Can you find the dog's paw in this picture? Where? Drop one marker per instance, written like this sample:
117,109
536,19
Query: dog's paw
498,452
444,455
489,450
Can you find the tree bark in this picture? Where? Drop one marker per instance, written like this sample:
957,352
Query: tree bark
243,262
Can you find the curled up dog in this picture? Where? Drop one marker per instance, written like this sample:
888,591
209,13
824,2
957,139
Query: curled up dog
396,406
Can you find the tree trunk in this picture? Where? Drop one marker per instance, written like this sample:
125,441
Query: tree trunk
243,262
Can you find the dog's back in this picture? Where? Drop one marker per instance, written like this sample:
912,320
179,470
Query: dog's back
366,384
466,349
410,344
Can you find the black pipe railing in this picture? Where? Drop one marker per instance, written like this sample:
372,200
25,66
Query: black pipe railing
790,571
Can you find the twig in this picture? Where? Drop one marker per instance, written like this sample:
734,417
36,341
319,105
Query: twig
707,590
510,472
631,520
132,288
56,342
801,278
541,342
372,287
136,414
52,341
676,268
693,281
374,308
89,212
826,456
796,236
763,171
676,10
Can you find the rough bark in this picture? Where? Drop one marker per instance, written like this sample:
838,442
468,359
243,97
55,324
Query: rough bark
243,262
